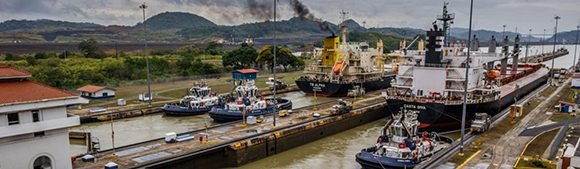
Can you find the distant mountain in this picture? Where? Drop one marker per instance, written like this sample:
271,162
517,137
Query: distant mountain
286,28
353,25
402,32
44,25
485,35
176,21
567,37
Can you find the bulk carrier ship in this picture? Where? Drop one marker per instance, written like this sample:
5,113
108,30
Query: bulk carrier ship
342,65
431,82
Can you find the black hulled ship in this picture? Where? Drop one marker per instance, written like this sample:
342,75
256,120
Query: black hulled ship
432,81
340,66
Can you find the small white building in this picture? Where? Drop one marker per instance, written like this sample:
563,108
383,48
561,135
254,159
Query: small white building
576,81
34,123
96,92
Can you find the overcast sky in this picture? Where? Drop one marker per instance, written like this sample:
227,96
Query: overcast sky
488,14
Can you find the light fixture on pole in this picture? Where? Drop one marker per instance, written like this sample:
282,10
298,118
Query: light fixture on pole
149,95
503,32
554,49
576,48
274,69
528,45
465,85
543,41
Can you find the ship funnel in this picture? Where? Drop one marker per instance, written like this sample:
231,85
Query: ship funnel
435,38
492,45
421,45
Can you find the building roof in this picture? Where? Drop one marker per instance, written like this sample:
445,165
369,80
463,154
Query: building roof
7,72
244,71
23,91
92,88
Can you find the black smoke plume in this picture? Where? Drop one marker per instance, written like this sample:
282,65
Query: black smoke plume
302,11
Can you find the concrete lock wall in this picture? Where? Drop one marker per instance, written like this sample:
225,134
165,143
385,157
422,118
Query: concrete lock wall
269,145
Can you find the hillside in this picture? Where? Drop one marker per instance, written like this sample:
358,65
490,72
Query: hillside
485,35
402,32
176,21
293,26
44,25
568,37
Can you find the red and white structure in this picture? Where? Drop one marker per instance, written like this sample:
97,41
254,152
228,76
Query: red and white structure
33,122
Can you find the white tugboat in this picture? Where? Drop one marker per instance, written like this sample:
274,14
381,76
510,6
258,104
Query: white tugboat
401,145
199,100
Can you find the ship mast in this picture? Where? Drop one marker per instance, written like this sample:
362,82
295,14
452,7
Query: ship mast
447,19
343,26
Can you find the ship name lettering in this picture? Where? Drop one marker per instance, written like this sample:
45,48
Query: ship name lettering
418,107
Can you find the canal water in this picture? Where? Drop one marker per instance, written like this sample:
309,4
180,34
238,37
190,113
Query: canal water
336,151
138,129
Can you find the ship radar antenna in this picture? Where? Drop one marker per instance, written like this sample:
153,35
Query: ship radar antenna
447,19
343,26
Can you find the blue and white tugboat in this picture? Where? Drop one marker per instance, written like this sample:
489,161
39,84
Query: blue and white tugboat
245,100
400,145
199,100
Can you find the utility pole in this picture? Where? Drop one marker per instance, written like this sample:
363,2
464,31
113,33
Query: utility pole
466,81
274,70
576,47
543,41
554,49
149,95
503,32
528,45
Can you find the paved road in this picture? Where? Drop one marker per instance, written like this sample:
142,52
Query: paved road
508,148
537,130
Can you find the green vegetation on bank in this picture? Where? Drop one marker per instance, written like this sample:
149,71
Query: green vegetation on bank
92,65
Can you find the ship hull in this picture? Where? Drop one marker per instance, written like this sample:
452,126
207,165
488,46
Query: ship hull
340,89
438,116
222,115
177,110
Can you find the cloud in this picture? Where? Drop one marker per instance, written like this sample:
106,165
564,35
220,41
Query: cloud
488,14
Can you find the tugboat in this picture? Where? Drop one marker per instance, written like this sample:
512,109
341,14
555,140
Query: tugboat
245,101
401,145
199,100
432,81
341,65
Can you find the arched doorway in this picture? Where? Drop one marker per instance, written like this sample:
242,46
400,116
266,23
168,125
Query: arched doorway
42,162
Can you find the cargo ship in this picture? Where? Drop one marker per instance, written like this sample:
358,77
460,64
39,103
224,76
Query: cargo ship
432,81
340,66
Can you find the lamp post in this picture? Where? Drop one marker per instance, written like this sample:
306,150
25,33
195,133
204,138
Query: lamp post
543,41
576,47
149,97
274,69
528,45
554,49
503,32
466,81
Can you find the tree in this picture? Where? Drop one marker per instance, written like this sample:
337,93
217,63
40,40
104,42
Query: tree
90,49
212,48
243,57
284,57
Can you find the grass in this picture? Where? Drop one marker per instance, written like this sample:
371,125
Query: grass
539,145
535,163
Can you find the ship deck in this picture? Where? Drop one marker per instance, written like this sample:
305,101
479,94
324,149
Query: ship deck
511,87
157,150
